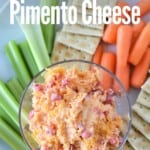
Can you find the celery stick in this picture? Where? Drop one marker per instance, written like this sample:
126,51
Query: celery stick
5,116
49,29
15,88
25,49
11,137
9,103
18,63
34,36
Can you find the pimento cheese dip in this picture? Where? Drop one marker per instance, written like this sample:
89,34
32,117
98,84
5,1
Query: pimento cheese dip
71,111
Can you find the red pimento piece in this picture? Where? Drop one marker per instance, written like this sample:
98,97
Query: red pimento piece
86,134
53,129
97,86
55,97
102,141
106,113
58,76
113,140
108,101
51,84
45,147
72,147
97,111
38,87
88,95
110,92
31,114
64,82
80,126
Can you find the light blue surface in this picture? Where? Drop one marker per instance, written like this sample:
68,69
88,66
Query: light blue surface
4,146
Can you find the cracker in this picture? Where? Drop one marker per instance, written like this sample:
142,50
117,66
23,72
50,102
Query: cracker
98,2
84,43
142,111
78,29
144,99
137,140
62,52
95,26
88,11
127,146
146,86
141,125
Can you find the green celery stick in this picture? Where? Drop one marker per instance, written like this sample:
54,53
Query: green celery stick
49,29
9,103
18,63
11,137
34,36
26,51
15,88
5,116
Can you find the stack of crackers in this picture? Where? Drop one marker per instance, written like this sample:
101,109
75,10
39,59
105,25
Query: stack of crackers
79,41
139,136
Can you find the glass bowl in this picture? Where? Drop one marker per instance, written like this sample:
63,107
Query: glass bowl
122,103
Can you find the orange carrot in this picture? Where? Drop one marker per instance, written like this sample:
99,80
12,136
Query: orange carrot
110,34
144,6
98,54
108,61
140,71
124,39
121,4
137,29
140,45
123,74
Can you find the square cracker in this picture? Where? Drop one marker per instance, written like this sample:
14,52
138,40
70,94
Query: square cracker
144,99
87,44
98,2
62,52
146,86
79,29
95,26
142,111
127,146
89,12
137,140
141,125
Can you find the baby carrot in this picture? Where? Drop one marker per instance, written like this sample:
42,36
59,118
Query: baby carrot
140,71
110,34
140,45
108,61
121,4
124,39
98,54
123,74
137,29
144,6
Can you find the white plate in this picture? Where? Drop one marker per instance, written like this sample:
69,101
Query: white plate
9,32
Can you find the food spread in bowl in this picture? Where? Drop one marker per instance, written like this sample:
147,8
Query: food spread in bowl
72,111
